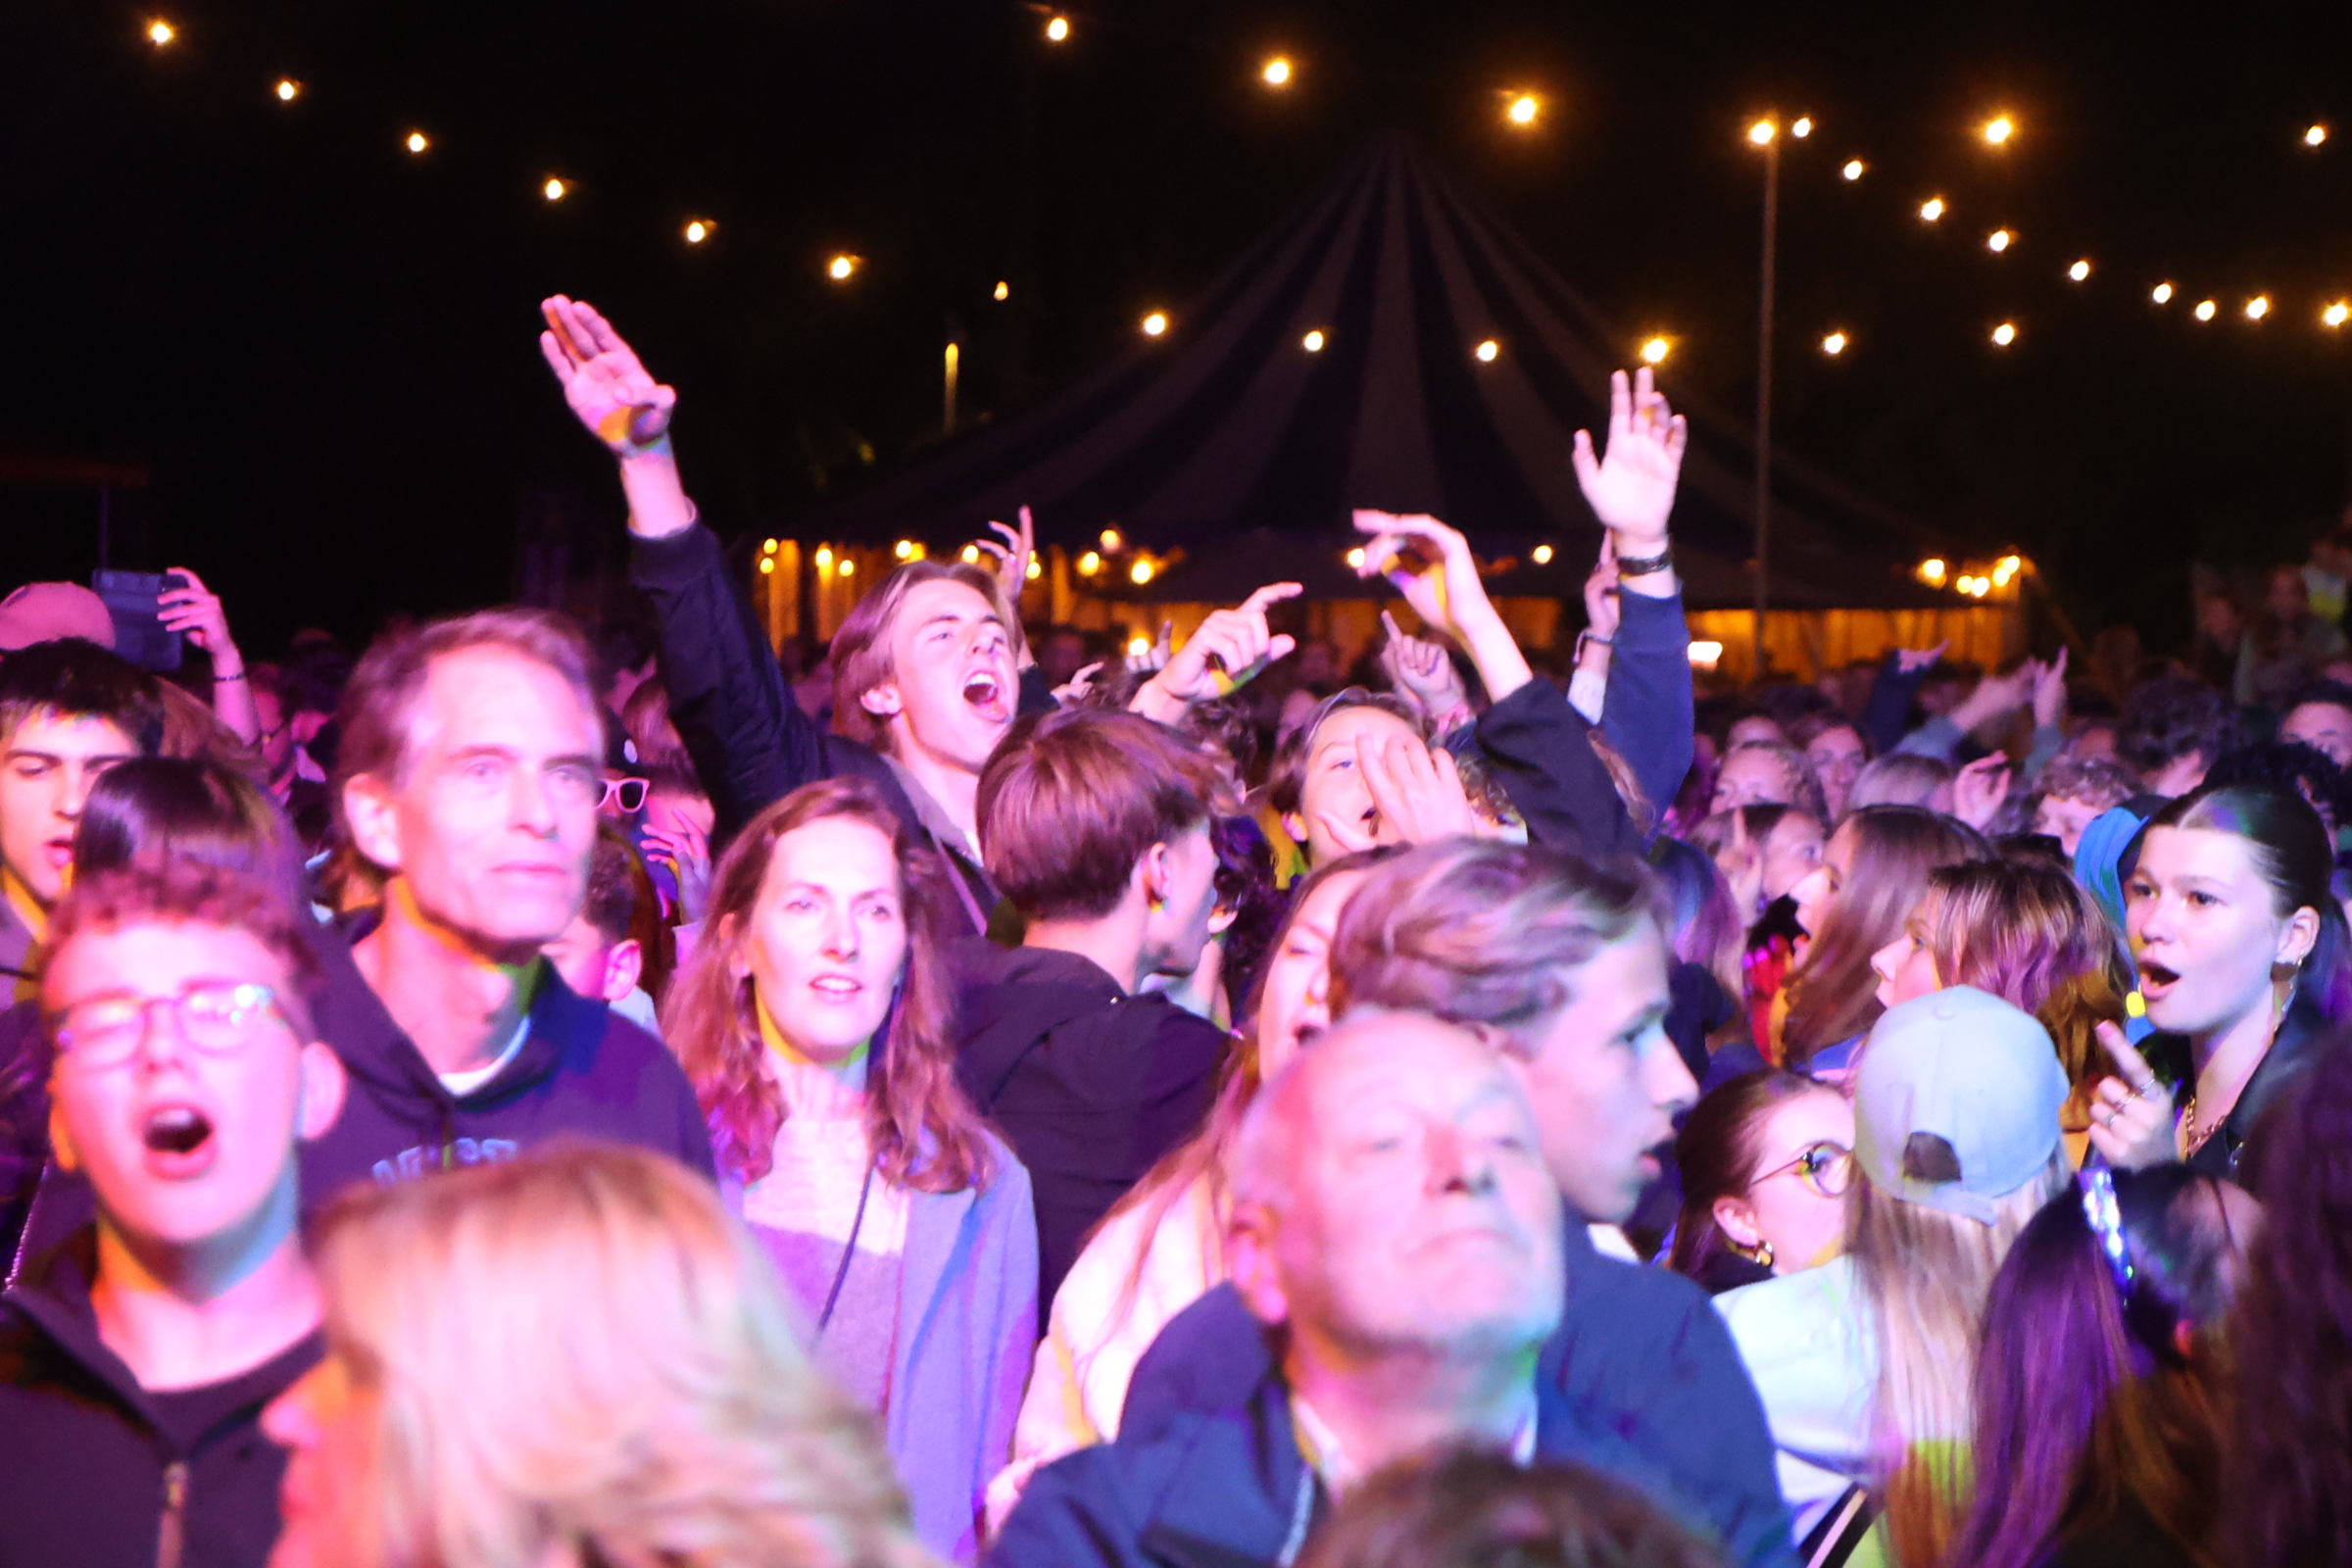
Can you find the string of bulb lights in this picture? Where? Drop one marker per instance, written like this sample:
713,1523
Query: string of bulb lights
1521,109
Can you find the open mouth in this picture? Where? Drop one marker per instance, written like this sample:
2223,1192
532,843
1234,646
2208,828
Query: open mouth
2155,979
176,1130
982,690
839,987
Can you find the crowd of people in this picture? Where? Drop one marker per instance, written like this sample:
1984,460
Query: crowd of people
535,1095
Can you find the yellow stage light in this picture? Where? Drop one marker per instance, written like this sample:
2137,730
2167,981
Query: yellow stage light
554,190
841,268
1999,240
768,547
2078,271
1487,351
417,141
1155,324
1140,573
1003,291
767,566
1524,109
1834,344
2162,294
160,32
1852,169
2205,310
1312,342
1932,572
1057,30
2005,333
1761,132
849,567
904,550
1355,559
1999,130
1138,646
1932,209
1089,564
2314,135
1110,539
699,230
1036,570
824,558
288,89
2337,314
1803,128
2258,306
1654,351
970,556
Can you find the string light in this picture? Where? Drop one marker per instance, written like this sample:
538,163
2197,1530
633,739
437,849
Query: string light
1524,107
824,558
160,32
1036,570
840,268
1057,30
1999,240
1003,291
1654,351
970,556
770,546
767,564
1276,73
2336,314
1487,351
1355,559
1155,324
2079,271
2205,310
1854,168
1932,572
1540,555
1089,564
2005,333
288,89
1999,128
700,230
1803,128
1312,342
1833,345
1761,132
555,189
1932,209
1138,646
2314,135
1140,573
1110,539
2258,306
848,568
417,141
2162,294
904,550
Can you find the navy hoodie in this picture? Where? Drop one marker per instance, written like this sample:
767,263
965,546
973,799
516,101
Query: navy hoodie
96,1470
582,1071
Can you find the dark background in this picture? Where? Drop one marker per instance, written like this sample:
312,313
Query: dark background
323,349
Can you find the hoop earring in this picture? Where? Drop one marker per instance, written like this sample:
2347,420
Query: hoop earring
1759,1254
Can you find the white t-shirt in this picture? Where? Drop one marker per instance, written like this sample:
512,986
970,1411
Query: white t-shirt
462,1084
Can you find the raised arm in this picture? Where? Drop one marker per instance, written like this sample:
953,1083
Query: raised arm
197,611
1226,651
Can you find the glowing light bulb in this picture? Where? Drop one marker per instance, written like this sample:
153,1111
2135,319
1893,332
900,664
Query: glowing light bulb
768,547
2258,306
1155,324
824,558
1312,342
1487,351
767,564
1540,555
1089,564
1138,646
160,32
1932,209
1932,572
1524,109
417,142
1803,128
1762,131
849,567
1110,539
1654,351
2005,333
554,190
1036,570
970,556
1276,73
1999,130
1057,30
1355,559
1999,240
288,89
2314,135
2205,310
1854,168
2336,314
1834,344
2162,293
1003,291
2078,271
840,268
1140,573
904,550
699,230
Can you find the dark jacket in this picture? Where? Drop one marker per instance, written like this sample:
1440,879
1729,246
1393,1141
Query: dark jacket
1090,1085
1226,1486
2236,1152
95,1471
750,743
582,1070
1639,1359
1539,749
1647,711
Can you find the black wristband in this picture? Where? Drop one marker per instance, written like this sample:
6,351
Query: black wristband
1644,565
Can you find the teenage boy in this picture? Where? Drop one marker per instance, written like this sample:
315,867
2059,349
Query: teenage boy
136,1356
70,710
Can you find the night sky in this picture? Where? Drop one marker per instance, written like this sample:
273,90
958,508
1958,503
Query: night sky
324,348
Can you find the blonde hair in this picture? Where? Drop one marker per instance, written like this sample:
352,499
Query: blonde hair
860,652
1926,1276
579,1359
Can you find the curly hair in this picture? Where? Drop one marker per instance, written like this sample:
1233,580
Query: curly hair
2170,717
577,1358
2288,1474
924,1132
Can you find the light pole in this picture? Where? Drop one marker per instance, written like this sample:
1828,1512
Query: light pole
1765,134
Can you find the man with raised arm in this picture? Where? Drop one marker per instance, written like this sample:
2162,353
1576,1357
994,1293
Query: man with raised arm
136,1355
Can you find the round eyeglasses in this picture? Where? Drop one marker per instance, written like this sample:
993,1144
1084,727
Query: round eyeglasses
1825,1168
217,1017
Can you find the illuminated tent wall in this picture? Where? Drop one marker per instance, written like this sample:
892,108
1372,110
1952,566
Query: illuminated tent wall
1230,440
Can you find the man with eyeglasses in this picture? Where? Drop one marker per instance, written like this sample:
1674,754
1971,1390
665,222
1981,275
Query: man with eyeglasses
138,1354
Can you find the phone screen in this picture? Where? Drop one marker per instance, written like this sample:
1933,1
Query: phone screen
131,599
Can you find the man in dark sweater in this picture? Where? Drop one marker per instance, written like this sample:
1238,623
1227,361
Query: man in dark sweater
1094,826
136,1356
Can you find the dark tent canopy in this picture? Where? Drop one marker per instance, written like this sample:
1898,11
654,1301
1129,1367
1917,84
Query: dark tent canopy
1230,431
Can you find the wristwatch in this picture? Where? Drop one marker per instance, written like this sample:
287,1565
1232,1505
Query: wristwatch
1644,565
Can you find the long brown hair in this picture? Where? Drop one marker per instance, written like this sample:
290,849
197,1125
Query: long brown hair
1832,994
924,1133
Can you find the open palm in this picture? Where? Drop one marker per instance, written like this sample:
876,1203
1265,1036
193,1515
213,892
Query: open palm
604,382
1630,486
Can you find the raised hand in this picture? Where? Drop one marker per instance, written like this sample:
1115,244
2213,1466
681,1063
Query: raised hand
1630,486
2132,1116
1014,556
1603,608
1079,685
196,612
602,377
1226,651
1417,792
1431,564
1421,673
1911,660
2050,693
686,850
1741,862
1980,788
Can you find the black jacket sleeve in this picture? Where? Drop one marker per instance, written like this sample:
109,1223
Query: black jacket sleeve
1886,718
1539,749
1648,714
749,741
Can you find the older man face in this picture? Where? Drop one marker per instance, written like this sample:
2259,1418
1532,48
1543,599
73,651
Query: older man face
1395,1198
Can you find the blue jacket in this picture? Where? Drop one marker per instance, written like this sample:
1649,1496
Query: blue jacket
1649,1387
967,1328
